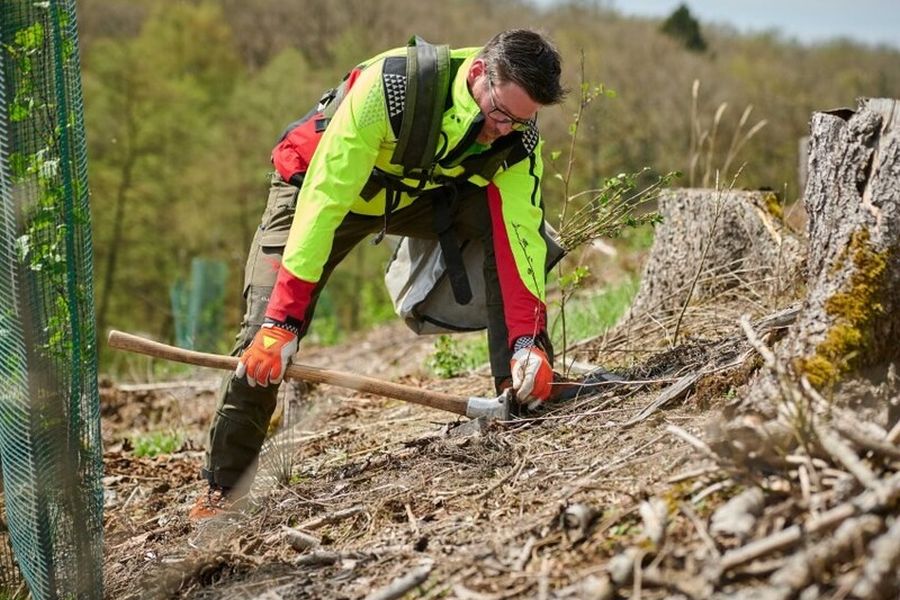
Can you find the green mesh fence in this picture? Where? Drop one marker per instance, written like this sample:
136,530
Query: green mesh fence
198,305
49,407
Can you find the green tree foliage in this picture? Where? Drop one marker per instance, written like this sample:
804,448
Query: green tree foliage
185,100
682,26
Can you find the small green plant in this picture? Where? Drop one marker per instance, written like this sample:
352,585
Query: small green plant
594,314
156,443
604,211
453,357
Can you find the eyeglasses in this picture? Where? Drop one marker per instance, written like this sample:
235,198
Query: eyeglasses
507,119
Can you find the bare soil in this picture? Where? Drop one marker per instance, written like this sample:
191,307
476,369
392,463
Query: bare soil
606,496
484,508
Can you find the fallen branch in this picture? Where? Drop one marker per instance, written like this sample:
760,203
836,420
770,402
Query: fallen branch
399,587
804,567
335,517
673,392
692,474
693,441
688,511
844,454
893,435
511,474
299,540
868,501
318,558
524,554
880,569
860,439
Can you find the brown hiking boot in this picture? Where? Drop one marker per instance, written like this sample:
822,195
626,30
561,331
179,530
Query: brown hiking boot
213,503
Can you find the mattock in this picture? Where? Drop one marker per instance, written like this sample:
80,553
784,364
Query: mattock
472,407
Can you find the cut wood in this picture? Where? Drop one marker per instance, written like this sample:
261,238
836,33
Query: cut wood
335,517
865,502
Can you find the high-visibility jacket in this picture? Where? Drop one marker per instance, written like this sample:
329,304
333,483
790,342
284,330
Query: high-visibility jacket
339,160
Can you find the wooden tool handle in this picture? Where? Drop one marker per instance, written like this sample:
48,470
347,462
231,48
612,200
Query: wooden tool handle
439,400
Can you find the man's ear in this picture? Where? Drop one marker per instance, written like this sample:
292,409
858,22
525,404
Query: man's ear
476,70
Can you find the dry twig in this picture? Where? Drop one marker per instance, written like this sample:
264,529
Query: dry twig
400,586
868,501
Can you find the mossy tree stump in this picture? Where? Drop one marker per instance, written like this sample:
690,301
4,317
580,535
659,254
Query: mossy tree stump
850,319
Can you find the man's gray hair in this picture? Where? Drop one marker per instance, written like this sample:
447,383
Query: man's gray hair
527,58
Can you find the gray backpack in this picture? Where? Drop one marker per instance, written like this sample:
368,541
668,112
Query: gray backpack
417,281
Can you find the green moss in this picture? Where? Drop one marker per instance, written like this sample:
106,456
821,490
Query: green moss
854,310
773,205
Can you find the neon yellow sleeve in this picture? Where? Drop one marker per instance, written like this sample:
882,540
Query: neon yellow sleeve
337,173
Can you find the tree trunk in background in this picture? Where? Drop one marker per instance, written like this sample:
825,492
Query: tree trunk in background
115,243
748,252
850,320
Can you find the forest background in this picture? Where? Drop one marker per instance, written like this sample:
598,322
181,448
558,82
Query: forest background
185,99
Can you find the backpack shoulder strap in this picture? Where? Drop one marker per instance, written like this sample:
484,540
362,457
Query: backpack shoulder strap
427,81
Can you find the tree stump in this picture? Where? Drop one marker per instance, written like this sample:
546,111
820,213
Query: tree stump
722,245
850,319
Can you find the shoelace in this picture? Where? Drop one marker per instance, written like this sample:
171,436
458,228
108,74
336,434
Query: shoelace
217,497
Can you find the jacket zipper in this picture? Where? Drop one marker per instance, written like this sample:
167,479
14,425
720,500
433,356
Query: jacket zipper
467,140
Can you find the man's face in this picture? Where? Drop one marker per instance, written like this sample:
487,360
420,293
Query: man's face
505,105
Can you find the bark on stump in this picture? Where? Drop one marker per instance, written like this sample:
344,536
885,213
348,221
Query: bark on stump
737,241
847,328
850,319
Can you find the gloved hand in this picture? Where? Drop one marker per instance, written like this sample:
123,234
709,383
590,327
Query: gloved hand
268,355
532,375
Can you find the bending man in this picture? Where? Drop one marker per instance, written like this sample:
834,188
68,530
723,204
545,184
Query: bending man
340,177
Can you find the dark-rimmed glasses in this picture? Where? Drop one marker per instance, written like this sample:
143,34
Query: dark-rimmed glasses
507,119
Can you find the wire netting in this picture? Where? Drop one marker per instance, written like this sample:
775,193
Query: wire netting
198,305
49,408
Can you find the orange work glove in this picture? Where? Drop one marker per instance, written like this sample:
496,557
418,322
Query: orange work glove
532,375
268,355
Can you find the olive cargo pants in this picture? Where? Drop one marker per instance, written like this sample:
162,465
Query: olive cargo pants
242,417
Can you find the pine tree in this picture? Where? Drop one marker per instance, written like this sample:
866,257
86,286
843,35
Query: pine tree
682,26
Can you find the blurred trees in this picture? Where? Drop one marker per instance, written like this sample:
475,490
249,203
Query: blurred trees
184,100
682,25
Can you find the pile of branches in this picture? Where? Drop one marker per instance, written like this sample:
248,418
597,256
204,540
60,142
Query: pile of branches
807,503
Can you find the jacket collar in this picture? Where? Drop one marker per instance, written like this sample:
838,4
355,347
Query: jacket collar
463,102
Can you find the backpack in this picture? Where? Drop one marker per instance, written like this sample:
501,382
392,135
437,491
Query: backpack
416,88
418,283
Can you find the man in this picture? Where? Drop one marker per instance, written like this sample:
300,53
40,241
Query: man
338,180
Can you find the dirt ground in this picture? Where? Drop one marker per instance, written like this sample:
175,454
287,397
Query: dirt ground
487,510
610,495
